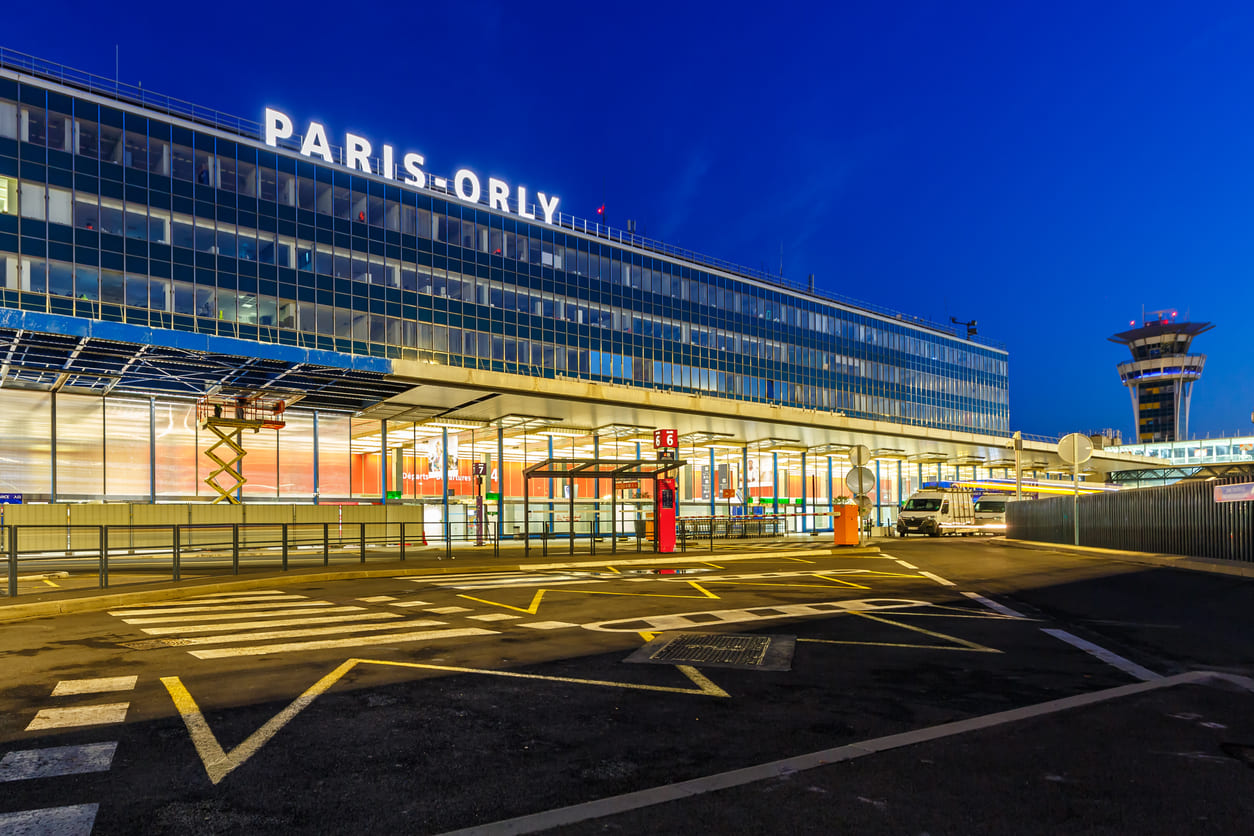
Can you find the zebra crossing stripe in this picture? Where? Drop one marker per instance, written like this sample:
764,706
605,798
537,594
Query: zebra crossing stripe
58,760
304,602
312,631
322,608
538,580
87,715
289,622
391,638
67,687
203,601
51,821
465,576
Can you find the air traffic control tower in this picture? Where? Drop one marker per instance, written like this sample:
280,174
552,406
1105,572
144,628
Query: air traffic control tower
1161,374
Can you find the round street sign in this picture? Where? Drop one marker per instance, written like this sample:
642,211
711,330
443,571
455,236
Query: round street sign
865,505
1075,448
860,480
859,454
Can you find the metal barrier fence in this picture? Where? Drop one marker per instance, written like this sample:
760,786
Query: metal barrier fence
1181,519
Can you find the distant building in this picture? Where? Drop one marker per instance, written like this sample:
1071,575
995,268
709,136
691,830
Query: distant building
1161,374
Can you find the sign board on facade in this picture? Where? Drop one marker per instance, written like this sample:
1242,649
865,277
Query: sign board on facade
1243,492
665,438
729,493
481,469
10,499
357,156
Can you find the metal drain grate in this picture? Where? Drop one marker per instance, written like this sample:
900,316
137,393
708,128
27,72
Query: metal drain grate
719,650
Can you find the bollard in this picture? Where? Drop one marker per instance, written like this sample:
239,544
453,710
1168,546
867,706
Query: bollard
234,548
12,561
363,542
402,542
326,543
284,527
104,557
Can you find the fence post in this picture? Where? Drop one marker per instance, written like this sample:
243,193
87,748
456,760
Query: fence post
104,557
326,543
363,542
402,541
284,526
176,542
234,548
12,561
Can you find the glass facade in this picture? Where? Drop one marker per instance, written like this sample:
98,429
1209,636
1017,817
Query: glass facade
111,212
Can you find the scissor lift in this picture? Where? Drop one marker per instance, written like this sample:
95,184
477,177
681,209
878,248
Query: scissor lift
227,416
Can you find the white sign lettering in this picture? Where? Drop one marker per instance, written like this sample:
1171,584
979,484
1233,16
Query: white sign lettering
358,150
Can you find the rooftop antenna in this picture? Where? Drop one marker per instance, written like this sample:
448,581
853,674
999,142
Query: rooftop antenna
781,258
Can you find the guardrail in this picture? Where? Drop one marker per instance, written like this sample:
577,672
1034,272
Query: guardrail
1182,519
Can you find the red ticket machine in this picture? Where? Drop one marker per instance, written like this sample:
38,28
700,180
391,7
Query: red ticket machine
664,516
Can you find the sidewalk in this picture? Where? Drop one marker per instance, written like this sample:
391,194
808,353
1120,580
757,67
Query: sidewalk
1167,561
383,563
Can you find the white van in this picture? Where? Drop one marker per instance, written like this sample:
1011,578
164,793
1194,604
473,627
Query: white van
990,512
937,511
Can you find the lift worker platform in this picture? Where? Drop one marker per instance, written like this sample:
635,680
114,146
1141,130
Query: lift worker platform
227,417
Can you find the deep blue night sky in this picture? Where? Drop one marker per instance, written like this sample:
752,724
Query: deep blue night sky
1045,170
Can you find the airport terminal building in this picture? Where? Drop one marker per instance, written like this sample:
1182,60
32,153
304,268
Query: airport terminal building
415,337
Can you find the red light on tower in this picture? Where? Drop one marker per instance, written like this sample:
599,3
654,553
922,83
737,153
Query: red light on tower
601,212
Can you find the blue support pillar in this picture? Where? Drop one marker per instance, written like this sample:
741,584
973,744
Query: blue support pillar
879,493
713,482
500,483
804,479
383,462
550,490
444,481
831,496
744,481
775,482
596,490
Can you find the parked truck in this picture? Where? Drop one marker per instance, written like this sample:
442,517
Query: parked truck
937,511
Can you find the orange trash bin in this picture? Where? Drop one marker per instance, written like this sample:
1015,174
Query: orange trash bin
845,525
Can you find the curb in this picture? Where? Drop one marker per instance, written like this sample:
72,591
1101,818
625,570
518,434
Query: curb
106,600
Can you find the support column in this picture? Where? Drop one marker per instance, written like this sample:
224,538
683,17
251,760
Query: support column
744,479
317,487
831,496
152,450
900,487
550,530
383,462
713,485
775,483
52,446
444,482
596,491
804,479
879,494
500,483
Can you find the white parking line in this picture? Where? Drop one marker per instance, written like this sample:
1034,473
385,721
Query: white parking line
87,715
303,602
994,606
547,625
1114,659
51,821
906,565
312,631
67,687
58,760
937,578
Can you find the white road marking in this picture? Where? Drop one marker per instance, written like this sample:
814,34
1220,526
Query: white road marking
304,602
377,599
468,576
51,821
905,564
290,622
706,619
937,578
994,606
58,760
322,608
493,616
412,604
447,610
787,767
547,625
1113,659
195,602
533,580
87,715
312,631
94,686
392,638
